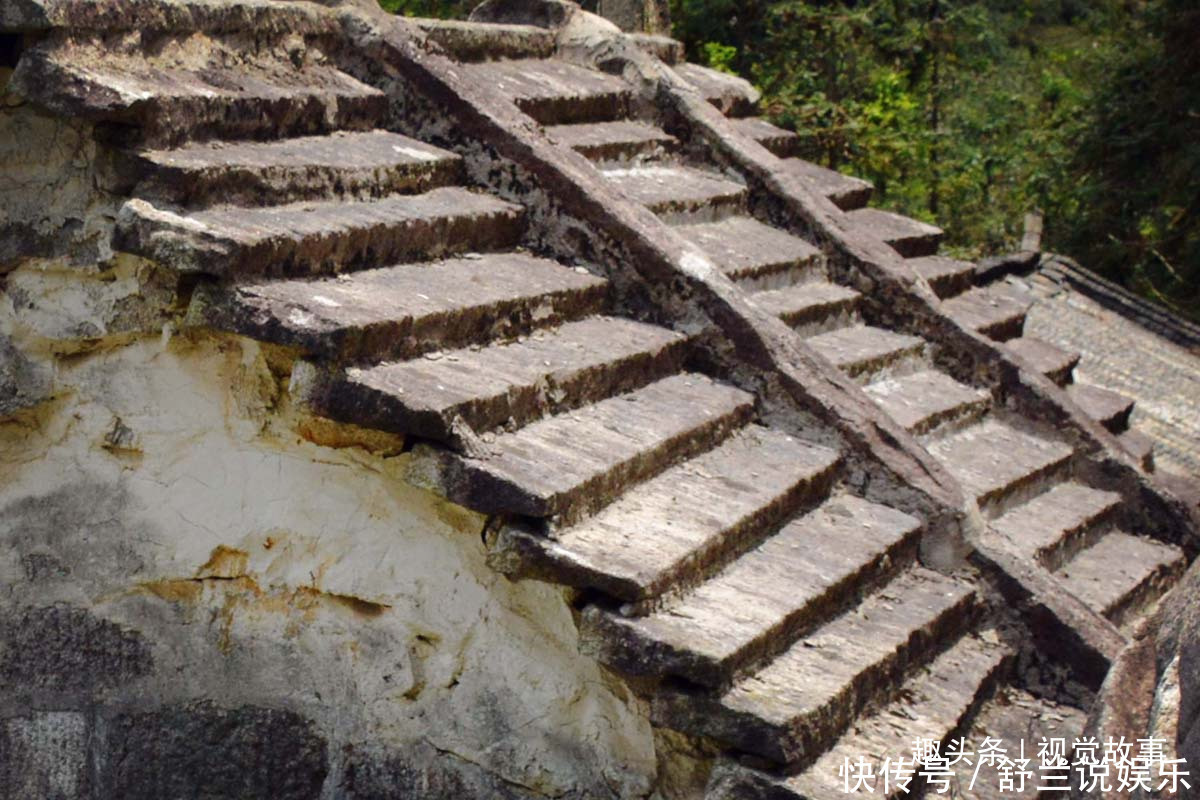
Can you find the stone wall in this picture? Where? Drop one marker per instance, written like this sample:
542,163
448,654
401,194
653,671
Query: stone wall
1153,689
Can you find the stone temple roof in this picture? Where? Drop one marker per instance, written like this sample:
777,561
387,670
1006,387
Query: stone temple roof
803,475
1126,345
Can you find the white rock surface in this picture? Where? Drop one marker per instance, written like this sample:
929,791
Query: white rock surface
170,493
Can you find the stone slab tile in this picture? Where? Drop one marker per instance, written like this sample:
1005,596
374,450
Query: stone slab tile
555,92
575,463
946,276
926,400
863,350
909,237
995,461
265,17
937,705
476,41
1110,409
787,585
670,531
506,383
353,164
808,305
845,191
1140,446
754,254
803,701
734,96
405,310
1054,525
1051,360
678,191
993,313
320,237
781,142
1122,573
618,140
168,104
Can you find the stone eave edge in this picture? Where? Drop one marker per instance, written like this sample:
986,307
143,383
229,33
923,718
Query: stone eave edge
662,258
1155,318
182,16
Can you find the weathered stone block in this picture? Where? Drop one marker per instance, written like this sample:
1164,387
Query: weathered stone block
44,755
201,750
24,15
420,772
63,648
23,383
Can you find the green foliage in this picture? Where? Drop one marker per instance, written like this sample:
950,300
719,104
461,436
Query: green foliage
720,56
1137,165
971,114
440,9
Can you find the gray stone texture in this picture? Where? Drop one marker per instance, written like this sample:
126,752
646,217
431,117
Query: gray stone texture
507,383
200,750
45,755
1123,356
24,383
65,649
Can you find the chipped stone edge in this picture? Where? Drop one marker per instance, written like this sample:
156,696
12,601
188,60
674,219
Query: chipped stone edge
182,16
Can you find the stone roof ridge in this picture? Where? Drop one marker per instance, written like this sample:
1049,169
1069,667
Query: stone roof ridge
1116,298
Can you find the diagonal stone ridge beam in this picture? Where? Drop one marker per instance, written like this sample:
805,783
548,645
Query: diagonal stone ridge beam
664,259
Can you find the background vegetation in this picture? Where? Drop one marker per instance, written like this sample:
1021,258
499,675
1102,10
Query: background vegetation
970,114
441,9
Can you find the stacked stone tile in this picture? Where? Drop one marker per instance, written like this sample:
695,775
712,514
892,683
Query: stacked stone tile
776,606
727,558
1017,472
1128,345
1020,474
793,706
1070,298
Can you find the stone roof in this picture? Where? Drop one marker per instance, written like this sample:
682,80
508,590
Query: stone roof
803,476
1126,345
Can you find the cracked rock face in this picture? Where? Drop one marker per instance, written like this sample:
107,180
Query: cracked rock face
23,383
1153,689
49,206
1175,711
199,596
